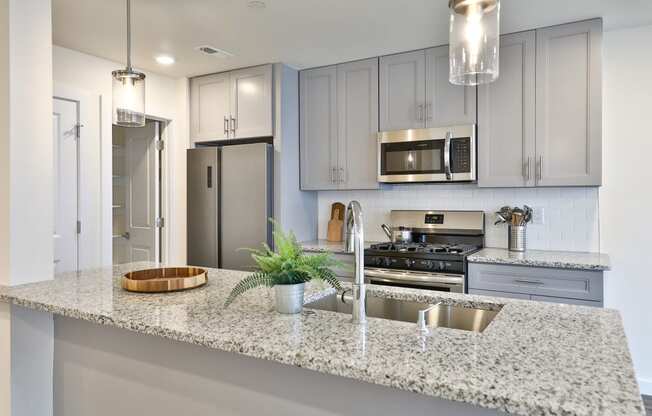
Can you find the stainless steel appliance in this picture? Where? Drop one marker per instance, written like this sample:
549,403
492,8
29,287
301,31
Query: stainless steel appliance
230,200
436,257
444,154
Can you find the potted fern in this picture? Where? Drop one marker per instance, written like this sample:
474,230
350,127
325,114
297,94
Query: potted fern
287,270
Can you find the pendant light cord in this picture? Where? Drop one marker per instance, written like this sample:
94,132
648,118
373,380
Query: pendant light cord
129,35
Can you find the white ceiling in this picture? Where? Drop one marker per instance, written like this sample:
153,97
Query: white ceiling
301,33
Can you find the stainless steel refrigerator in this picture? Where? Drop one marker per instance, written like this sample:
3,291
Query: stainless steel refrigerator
230,201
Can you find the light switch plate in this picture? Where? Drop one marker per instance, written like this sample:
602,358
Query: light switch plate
538,216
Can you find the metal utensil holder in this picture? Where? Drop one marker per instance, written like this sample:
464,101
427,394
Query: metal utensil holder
516,237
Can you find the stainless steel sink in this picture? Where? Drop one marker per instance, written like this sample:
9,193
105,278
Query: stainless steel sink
456,317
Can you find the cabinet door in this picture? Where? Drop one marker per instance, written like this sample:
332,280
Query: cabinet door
209,107
318,128
569,104
357,108
402,91
251,102
506,107
446,104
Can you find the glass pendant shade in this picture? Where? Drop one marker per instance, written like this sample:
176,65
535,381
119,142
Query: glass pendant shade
474,41
128,98
128,89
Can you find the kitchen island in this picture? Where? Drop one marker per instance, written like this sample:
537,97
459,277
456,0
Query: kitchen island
534,358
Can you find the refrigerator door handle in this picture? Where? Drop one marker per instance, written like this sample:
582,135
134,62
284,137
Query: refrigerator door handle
209,177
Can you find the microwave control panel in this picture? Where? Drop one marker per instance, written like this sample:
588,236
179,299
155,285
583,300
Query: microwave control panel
461,155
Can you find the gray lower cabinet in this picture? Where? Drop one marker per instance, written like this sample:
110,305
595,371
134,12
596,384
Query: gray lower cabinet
339,126
540,123
537,283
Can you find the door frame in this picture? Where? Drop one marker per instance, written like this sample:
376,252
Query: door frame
89,189
163,188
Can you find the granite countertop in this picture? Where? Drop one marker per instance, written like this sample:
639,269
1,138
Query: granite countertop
317,246
543,258
533,359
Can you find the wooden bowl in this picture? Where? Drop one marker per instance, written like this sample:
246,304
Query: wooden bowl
167,279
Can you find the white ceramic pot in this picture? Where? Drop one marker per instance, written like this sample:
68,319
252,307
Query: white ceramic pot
289,298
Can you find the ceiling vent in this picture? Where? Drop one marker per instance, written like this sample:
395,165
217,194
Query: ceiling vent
213,51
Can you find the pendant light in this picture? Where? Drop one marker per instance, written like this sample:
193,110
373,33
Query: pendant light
474,41
128,89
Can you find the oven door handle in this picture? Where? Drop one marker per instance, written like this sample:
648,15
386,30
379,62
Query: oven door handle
392,276
447,156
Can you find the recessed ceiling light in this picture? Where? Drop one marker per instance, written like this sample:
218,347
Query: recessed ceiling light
257,4
165,59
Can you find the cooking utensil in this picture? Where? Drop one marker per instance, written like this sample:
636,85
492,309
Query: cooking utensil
398,234
336,223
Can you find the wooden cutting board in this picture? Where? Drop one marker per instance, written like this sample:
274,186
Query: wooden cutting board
336,222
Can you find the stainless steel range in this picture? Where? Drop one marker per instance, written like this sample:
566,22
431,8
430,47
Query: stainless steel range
435,258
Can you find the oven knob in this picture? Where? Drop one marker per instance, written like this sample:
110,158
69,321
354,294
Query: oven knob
408,263
387,261
442,266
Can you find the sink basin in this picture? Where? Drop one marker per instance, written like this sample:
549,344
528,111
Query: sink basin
447,316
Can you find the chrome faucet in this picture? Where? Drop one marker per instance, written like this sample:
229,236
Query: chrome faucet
354,243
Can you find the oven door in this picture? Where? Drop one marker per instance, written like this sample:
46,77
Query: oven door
443,282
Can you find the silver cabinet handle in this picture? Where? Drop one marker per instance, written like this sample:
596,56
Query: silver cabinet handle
126,235
527,169
234,126
420,112
341,175
429,114
226,126
540,168
447,156
333,170
530,282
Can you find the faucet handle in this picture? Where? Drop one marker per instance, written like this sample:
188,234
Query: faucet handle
421,321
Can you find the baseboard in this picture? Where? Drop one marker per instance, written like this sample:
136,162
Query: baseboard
646,386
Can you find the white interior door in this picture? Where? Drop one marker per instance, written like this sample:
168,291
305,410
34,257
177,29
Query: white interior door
65,175
141,207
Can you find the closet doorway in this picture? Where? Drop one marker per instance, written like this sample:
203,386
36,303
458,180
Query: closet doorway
137,174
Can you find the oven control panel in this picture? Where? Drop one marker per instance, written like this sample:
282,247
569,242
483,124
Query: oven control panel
405,263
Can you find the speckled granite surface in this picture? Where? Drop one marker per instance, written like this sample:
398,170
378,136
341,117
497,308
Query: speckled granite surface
316,246
543,258
533,359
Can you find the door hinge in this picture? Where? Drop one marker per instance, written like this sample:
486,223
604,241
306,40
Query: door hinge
160,222
78,127
78,227
160,145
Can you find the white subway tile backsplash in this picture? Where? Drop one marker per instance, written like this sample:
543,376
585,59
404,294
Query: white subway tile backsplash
571,214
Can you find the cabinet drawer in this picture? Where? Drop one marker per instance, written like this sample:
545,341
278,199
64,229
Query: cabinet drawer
496,294
560,283
567,301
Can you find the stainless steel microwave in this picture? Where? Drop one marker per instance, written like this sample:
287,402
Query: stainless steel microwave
443,154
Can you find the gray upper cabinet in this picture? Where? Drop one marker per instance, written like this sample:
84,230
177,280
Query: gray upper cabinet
402,91
446,104
232,105
251,102
210,98
506,126
339,126
569,104
318,128
357,108
540,123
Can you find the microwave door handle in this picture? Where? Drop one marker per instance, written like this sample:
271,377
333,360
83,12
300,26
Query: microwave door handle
447,156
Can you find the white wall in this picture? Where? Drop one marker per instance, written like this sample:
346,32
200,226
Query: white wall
165,98
26,201
626,197
570,219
